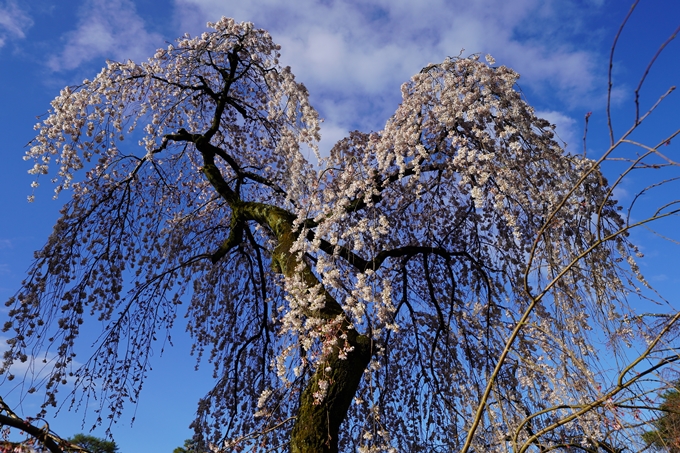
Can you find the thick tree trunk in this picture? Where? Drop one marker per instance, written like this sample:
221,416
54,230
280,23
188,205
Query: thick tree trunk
317,426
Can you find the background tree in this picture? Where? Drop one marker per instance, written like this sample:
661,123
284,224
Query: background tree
188,447
445,284
94,444
665,436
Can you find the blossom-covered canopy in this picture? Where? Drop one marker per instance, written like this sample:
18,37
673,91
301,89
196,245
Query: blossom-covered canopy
434,283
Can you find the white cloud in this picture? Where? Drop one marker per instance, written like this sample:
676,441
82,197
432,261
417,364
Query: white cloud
358,52
331,133
620,194
35,369
32,368
13,21
566,128
364,42
106,29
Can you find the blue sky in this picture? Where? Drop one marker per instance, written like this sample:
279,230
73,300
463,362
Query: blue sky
353,56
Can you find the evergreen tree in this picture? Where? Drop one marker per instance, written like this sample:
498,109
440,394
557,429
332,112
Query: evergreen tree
666,433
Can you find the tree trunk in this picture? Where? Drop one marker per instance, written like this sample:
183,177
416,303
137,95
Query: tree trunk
318,424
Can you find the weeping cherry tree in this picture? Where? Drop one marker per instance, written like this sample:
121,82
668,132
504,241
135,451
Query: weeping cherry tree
444,284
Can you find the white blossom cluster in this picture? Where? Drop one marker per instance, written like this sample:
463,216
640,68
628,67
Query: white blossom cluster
426,241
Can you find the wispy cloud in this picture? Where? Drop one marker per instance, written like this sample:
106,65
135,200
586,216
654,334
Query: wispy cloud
566,128
13,21
35,369
107,29
353,51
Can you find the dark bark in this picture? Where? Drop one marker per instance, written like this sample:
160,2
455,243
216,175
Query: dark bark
318,425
